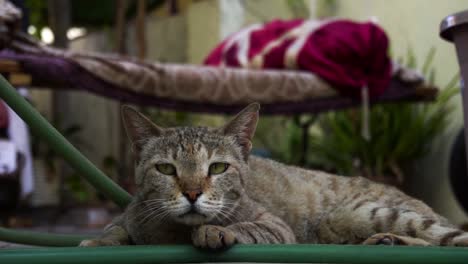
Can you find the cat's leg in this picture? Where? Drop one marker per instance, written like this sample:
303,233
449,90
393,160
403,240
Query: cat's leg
114,235
430,229
265,229
354,223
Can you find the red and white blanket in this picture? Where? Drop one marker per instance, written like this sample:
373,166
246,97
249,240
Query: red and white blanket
347,54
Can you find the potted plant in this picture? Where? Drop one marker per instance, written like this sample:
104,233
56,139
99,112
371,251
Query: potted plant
400,134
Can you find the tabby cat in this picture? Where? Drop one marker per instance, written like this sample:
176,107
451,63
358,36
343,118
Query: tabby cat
198,185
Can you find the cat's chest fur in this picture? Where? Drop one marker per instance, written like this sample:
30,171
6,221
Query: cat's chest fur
159,233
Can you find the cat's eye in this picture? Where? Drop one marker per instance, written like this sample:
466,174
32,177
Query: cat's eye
218,168
166,168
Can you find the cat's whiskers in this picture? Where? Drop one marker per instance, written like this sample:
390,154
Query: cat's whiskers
144,204
220,203
144,209
218,218
146,212
155,200
228,202
133,205
228,213
220,209
160,216
153,214
151,208
210,205
225,216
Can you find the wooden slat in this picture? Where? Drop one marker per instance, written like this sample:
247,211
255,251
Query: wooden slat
9,66
20,79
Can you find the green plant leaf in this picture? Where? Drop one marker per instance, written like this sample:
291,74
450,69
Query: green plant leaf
400,132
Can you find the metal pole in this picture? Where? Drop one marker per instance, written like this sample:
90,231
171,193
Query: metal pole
41,127
40,239
454,28
240,253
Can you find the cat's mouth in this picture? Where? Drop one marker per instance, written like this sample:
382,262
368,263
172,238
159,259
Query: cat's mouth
192,217
193,211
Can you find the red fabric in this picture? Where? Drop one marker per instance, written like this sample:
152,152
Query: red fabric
4,118
347,54
270,32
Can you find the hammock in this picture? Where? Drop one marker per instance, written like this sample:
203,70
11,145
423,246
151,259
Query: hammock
202,89
187,87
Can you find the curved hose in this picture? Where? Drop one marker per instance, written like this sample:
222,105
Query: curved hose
241,253
75,159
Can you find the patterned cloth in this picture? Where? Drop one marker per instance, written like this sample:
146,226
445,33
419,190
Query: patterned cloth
347,54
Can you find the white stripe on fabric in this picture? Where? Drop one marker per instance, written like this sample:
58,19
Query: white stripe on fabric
242,40
257,60
290,56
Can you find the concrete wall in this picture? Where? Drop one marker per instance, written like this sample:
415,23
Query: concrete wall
210,21
202,29
166,38
99,116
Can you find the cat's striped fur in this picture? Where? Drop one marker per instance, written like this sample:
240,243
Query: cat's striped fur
256,200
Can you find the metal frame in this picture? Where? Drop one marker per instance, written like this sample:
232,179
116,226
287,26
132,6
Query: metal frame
454,28
241,253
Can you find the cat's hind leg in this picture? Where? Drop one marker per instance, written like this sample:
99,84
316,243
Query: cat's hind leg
363,220
404,222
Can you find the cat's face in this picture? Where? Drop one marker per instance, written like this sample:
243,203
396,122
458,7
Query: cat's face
191,175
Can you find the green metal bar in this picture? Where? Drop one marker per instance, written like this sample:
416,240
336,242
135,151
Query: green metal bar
40,239
241,253
41,127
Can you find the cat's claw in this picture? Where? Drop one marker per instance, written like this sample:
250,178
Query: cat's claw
460,241
98,243
394,240
213,237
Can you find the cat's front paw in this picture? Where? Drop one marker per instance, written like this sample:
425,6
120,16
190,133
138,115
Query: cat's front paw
98,243
213,237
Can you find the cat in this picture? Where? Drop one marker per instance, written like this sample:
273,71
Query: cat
200,186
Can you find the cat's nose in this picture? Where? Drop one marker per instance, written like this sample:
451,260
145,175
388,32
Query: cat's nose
192,195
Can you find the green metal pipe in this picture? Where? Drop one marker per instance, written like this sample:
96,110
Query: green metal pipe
47,132
240,253
40,239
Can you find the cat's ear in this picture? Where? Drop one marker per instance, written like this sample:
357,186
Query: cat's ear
139,128
243,126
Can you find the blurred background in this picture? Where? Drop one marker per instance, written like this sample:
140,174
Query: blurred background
55,198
